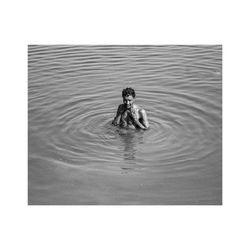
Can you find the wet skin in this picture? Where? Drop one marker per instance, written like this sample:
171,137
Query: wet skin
129,115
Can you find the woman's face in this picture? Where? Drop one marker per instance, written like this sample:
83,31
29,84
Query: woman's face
128,101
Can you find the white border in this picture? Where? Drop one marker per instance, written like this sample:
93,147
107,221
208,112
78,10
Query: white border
127,22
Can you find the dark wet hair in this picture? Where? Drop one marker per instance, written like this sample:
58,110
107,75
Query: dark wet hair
127,92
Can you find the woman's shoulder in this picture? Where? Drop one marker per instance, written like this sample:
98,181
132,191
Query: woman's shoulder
135,106
142,112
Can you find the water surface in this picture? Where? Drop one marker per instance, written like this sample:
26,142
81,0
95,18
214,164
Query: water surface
77,157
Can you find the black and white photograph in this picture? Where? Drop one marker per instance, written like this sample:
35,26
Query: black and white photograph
125,125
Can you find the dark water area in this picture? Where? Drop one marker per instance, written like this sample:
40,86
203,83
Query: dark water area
76,156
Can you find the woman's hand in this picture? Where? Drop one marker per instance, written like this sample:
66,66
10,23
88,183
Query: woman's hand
133,114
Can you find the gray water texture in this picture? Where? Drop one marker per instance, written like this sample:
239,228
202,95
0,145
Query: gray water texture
75,155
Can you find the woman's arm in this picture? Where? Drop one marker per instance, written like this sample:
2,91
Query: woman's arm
144,124
144,118
117,118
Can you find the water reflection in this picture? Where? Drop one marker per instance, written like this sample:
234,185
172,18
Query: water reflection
130,138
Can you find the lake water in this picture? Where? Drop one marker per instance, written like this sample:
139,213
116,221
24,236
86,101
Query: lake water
75,155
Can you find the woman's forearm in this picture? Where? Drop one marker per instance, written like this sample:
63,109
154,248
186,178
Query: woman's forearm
116,120
139,124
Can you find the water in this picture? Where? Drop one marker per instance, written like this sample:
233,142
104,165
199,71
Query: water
75,155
